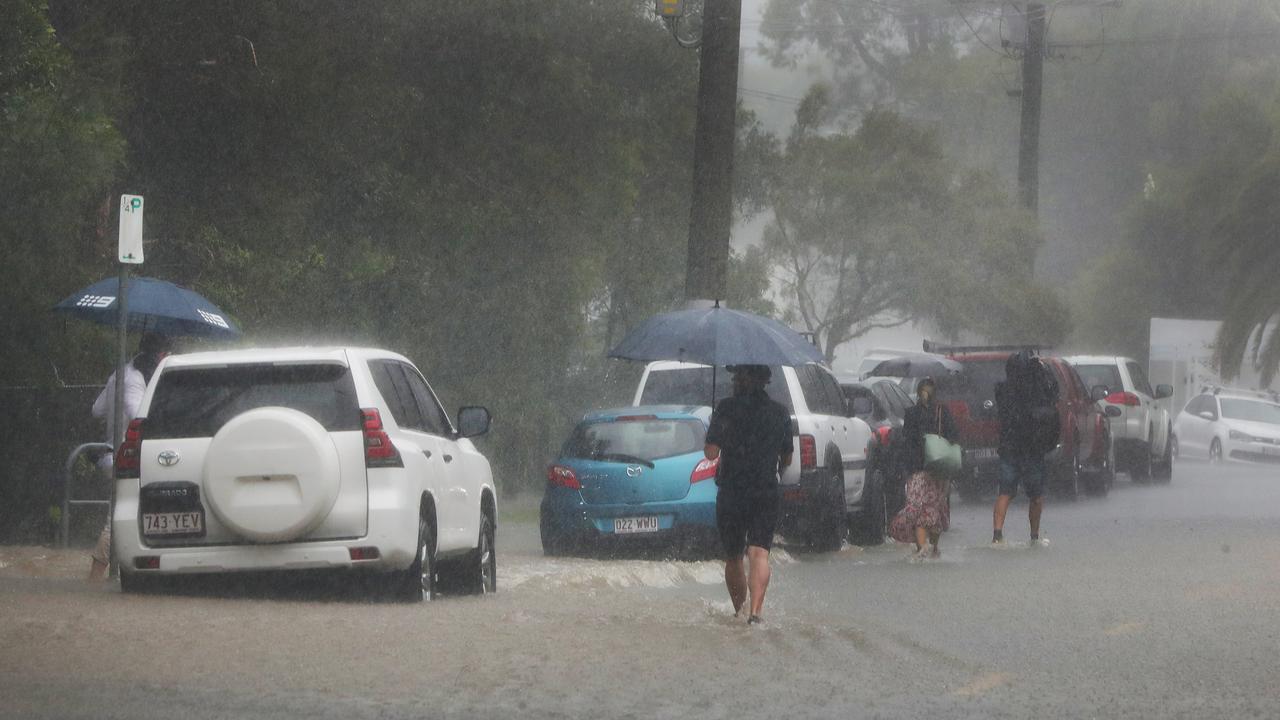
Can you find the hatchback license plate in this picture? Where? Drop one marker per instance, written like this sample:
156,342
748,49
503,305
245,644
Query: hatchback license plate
173,523
982,454
645,524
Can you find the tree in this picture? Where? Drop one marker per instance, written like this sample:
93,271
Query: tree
877,228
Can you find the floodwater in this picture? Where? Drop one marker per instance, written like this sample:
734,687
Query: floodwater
1157,601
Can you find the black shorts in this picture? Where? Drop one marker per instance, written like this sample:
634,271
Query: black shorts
746,519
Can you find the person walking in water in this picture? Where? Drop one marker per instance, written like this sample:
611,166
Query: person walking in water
927,512
1026,405
152,348
751,435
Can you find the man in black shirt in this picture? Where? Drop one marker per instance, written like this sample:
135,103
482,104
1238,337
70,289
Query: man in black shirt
751,434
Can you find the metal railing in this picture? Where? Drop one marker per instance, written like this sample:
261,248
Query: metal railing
67,501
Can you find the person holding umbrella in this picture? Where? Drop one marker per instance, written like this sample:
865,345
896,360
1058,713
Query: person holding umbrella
152,348
751,436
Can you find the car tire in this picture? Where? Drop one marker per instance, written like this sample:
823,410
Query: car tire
418,582
1069,482
477,572
831,530
1162,471
1140,464
1215,451
867,527
1098,482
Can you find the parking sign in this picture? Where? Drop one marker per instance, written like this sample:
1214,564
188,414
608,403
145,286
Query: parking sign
131,229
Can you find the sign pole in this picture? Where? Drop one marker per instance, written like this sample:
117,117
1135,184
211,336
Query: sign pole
130,253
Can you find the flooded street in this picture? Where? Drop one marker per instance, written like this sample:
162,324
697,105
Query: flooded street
1156,601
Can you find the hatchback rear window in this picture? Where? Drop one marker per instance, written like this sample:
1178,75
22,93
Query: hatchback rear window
635,440
1106,375
692,386
196,402
975,384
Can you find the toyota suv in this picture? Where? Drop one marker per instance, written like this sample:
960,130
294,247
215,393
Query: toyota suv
305,458
826,495
1084,456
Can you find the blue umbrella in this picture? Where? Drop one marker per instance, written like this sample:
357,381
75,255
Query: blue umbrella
154,305
716,336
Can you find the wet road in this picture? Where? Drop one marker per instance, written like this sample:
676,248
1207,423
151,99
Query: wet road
1157,601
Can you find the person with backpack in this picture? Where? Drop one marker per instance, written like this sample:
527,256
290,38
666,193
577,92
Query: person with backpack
1027,408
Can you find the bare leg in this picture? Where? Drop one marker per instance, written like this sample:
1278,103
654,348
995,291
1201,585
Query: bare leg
1033,513
735,578
1002,507
760,572
922,538
98,570
934,538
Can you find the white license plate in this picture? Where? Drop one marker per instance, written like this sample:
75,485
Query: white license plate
172,523
645,524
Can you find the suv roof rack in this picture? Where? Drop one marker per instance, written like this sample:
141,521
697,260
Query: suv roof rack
1269,395
933,347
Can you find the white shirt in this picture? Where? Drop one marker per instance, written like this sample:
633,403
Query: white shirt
134,386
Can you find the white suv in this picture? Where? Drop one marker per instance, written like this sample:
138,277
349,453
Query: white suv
1143,428
826,495
303,458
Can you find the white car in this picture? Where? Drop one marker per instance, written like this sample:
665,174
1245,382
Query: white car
826,494
1230,425
304,458
1143,429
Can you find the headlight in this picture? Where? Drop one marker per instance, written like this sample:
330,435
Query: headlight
1237,435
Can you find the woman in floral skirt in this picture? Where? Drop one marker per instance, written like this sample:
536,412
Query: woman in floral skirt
927,512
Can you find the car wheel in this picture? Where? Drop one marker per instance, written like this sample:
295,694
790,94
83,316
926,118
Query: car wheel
867,527
1163,470
1140,464
417,583
1215,451
1098,482
831,530
1173,445
1070,480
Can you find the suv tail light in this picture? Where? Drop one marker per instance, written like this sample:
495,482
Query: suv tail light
808,452
704,470
564,477
379,451
1124,398
128,459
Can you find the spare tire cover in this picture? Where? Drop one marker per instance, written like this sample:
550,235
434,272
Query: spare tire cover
271,474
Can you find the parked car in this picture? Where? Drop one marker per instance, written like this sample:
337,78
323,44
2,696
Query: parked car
304,458
826,492
1084,456
1225,424
1143,427
634,474
876,356
882,404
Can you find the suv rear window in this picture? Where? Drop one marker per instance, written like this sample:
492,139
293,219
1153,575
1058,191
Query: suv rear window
975,384
692,386
629,440
196,402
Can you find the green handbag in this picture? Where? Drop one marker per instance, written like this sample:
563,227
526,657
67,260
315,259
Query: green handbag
941,455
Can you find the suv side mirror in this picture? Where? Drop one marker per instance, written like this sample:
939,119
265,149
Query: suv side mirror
473,420
1163,391
1099,392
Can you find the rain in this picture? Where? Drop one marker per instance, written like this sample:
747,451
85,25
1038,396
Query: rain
437,317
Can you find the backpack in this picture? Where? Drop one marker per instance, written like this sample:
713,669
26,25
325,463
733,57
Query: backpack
1042,407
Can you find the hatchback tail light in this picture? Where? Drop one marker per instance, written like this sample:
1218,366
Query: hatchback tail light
561,476
704,470
1124,398
379,451
808,452
128,459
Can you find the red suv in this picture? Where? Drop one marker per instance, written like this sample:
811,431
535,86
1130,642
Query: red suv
1084,457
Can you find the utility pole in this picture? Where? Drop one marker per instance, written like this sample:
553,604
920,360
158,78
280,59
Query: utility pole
711,214
1032,82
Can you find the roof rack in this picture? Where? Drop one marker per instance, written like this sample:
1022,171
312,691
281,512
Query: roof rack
1270,395
933,347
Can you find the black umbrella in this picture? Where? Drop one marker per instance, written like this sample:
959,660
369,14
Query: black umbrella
917,365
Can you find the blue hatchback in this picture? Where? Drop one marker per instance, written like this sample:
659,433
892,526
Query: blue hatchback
632,476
